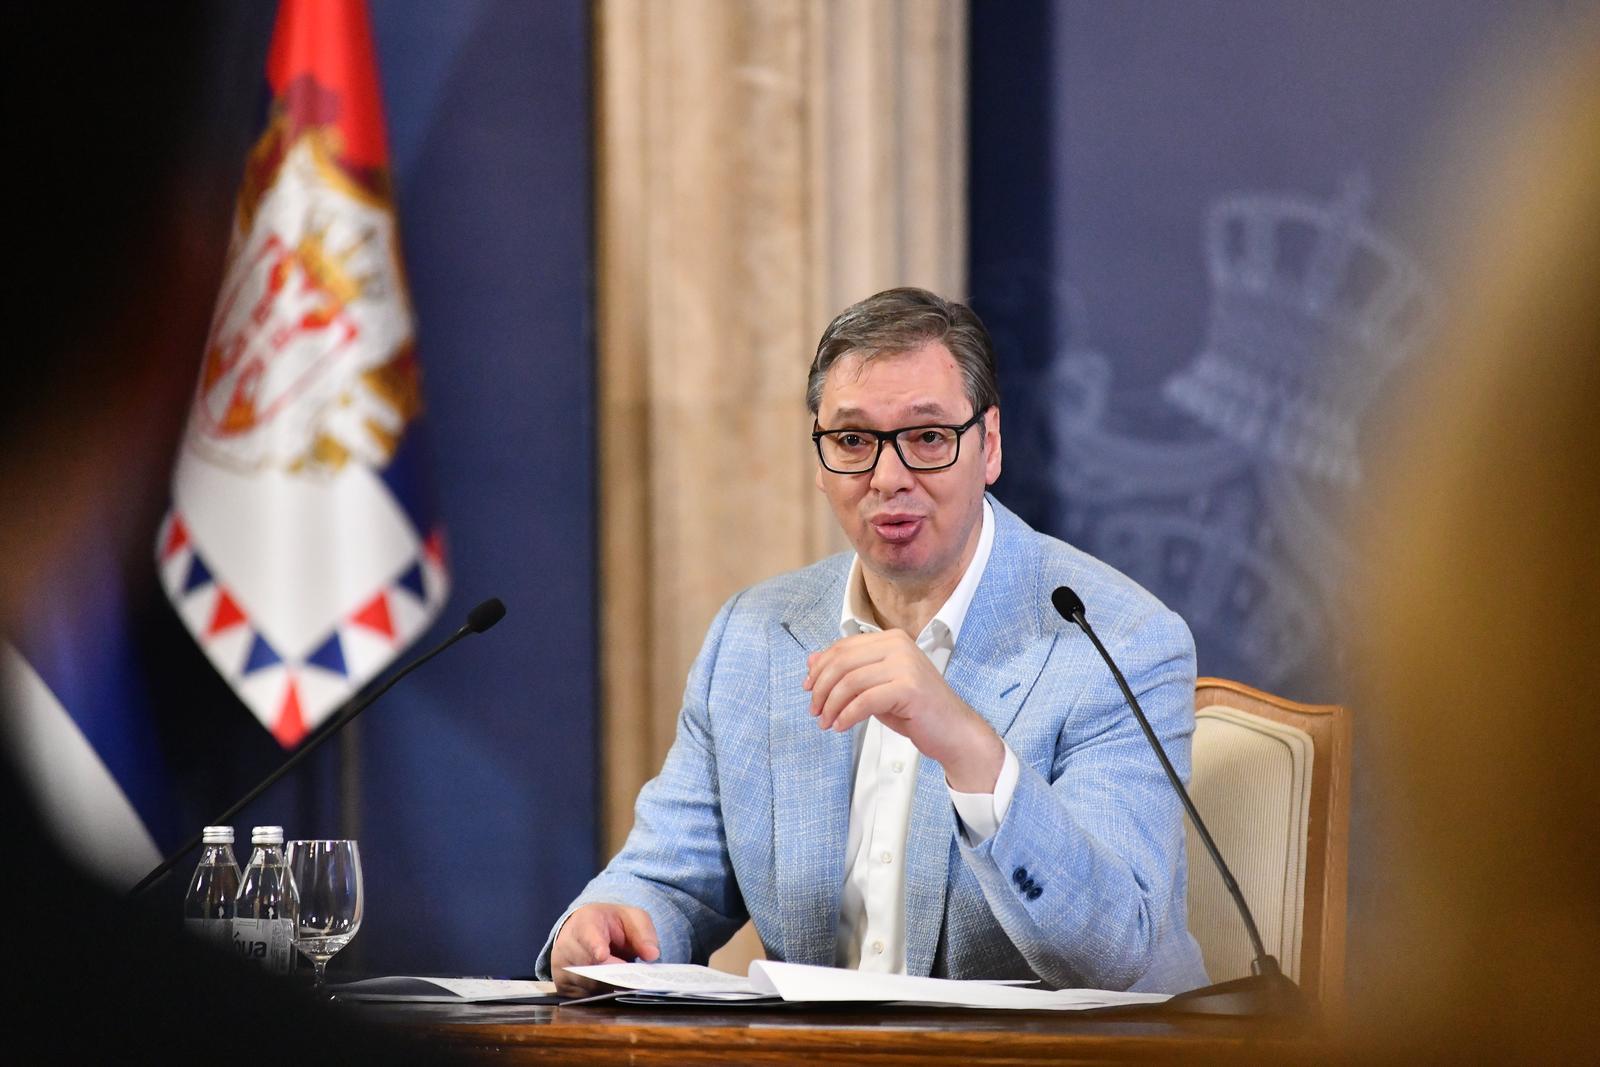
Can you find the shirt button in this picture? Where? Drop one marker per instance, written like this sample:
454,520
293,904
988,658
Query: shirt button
898,765
877,948
886,857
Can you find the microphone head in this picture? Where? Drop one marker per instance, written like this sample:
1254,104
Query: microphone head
485,615
1068,603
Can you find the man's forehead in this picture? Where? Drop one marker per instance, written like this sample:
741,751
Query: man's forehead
922,381
933,409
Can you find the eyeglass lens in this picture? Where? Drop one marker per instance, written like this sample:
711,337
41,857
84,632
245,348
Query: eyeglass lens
920,447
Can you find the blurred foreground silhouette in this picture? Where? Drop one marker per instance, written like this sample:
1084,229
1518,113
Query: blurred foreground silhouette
1481,632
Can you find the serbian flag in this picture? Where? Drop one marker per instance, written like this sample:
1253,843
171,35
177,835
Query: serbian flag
300,549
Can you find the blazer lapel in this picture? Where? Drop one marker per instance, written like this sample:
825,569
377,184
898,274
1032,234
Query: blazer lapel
997,659
1002,650
811,781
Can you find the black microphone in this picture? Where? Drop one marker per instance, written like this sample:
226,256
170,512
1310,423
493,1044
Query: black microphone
1267,991
479,619
484,616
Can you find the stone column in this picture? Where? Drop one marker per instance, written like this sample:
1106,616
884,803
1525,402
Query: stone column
760,164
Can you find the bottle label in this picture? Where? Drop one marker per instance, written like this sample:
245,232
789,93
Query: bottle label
218,932
267,943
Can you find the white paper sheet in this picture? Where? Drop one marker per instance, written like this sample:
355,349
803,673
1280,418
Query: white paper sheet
801,983
494,988
666,978
422,990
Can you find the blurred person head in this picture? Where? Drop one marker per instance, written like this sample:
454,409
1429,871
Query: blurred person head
1482,632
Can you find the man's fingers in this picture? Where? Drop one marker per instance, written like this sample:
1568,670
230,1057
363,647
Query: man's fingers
572,985
856,648
584,937
874,700
834,663
580,942
850,686
601,933
641,934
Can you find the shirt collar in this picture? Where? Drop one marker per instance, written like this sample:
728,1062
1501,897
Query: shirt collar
856,615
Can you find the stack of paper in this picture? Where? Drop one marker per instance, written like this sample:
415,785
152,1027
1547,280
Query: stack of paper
805,984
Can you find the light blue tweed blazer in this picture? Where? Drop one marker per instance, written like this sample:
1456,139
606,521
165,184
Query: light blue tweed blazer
1082,885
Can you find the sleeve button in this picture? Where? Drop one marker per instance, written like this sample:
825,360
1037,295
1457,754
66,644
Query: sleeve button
1020,875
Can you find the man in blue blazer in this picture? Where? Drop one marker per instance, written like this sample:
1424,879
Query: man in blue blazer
902,759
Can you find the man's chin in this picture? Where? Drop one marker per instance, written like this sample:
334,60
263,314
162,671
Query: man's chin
896,560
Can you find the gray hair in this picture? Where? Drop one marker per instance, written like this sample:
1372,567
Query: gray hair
903,320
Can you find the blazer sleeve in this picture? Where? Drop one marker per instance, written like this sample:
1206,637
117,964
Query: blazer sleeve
675,862
1084,868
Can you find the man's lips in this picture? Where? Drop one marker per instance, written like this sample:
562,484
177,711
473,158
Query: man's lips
896,528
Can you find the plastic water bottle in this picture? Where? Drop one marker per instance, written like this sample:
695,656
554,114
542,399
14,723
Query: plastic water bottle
268,905
208,907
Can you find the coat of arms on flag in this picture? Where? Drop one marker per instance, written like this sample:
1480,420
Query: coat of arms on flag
298,551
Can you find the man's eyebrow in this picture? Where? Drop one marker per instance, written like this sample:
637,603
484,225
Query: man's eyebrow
931,408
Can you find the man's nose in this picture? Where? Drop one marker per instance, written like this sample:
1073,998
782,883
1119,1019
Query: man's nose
891,472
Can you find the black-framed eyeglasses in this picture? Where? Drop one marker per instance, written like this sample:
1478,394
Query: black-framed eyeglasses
920,448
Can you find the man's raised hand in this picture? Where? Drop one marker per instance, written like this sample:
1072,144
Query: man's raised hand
885,675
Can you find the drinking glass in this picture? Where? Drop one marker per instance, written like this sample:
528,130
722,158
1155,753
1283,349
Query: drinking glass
328,874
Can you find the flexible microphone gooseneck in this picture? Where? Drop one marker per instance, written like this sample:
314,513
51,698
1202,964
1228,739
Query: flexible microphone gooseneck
1267,991
479,619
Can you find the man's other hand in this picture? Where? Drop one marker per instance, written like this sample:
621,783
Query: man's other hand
886,676
600,933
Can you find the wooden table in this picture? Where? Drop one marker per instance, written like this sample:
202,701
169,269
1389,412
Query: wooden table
876,1035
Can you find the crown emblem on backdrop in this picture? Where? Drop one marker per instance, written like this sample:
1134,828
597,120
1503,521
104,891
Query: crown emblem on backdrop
1209,569
1310,310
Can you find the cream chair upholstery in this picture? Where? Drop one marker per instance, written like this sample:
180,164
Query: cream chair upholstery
1271,777
1252,782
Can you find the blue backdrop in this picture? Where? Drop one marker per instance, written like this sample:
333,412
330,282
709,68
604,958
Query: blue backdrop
1196,237
479,792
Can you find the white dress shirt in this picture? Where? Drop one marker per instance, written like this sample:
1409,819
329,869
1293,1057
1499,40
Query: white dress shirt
872,920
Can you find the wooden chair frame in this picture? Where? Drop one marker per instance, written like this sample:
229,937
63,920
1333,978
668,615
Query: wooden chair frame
1322,944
